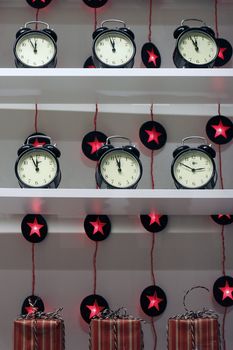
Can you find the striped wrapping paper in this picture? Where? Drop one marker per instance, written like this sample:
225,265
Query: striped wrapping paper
118,334
49,334
196,334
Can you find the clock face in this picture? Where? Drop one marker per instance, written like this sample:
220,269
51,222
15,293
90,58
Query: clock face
36,168
114,49
193,169
120,169
35,49
197,47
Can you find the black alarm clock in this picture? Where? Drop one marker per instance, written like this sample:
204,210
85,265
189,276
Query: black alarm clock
118,167
194,167
35,48
37,165
113,48
196,47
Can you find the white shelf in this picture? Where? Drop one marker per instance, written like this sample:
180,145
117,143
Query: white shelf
118,86
74,203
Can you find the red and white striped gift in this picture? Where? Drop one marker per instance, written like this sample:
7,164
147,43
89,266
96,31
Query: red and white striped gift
38,334
192,334
116,334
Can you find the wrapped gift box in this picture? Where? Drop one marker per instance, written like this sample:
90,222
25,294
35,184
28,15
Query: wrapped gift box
39,333
188,333
116,334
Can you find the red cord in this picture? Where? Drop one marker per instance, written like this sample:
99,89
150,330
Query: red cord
33,269
223,251
220,166
216,17
223,328
37,17
95,19
94,267
150,21
154,332
36,118
95,116
152,258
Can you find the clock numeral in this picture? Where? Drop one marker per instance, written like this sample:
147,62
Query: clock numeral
112,181
119,183
36,182
22,169
50,176
24,176
106,176
45,181
103,169
128,182
113,62
180,177
197,61
107,162
194,183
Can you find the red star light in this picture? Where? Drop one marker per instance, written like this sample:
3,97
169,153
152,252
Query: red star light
95,145
40,1
221,215
220,129
95,309
154,301
152,57
36,143
98,226
221,52
31,309
227,291
155,218
153,135
35,227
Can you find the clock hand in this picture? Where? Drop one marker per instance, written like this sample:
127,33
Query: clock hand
113,44
188,167
199,169
118,164
35,49
195,43
35,163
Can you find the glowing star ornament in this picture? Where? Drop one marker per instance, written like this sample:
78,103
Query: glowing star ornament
97,227
95,3
34,228
32,304
223,291
154,222
150,55
38,4
224,53
89,63
153,301
153,135
91,306
222,219
219,129
91,143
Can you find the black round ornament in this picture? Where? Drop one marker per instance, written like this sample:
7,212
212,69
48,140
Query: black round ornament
91,143
89,63
150,55
91,306
221,219
38,4
153,301
34,228
219,129
154,222
224,53
95,3
32,304
97,227
223,291
153,135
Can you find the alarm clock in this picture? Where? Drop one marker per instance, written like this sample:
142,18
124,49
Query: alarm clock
196,47
118,167
35,48
37,164
194,167
113,48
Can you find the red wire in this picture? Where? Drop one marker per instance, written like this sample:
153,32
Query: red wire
223,252
223,328
95,19
220,166
154,332
152,258
150,21
94,267
216,17
33,269
37,17
36,118
95,116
